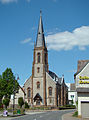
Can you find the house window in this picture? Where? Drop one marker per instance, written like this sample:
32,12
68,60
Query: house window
38,57
50,91
72,96
38,85
29,92
38,70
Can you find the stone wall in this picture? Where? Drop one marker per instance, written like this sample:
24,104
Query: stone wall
50,83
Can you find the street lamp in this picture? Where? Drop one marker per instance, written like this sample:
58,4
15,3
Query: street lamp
17,78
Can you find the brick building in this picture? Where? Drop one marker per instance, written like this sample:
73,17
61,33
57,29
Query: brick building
44,87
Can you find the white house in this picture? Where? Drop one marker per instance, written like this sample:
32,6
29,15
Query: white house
82,87
20,93
72,94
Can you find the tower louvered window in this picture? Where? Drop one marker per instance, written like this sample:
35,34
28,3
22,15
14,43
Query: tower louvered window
38,57
38,85
38,70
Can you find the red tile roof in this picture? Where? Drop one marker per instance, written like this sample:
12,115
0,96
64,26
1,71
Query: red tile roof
81,64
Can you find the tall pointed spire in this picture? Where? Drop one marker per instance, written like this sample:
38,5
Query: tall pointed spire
40,42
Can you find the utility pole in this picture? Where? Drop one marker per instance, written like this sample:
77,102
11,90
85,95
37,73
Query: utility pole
13,95
14,91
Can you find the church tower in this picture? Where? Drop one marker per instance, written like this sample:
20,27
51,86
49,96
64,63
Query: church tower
39,68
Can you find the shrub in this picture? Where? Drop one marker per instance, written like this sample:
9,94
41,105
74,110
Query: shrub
70,106
77,103
75,114
14,112
26,105
72,102
6,102
1,105
22,111
20,102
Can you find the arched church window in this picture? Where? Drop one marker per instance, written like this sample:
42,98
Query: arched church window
29,92
50,91
38,57
38,70
38,85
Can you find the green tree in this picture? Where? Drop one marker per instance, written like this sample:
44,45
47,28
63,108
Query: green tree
6,102
20,102
7,83
2,88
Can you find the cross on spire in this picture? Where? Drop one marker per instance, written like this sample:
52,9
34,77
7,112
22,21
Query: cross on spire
40,13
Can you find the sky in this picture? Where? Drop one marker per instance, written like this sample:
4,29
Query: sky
66,29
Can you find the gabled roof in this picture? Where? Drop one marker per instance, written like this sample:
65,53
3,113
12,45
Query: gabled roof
81,65
37,96
22,89
27,80
72,87
56,78
40,42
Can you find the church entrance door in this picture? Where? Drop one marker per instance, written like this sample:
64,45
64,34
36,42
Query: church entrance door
38,102
37,99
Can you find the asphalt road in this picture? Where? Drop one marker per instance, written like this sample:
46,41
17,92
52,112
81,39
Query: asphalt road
51,115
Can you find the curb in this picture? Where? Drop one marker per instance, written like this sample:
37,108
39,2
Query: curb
68,116
16,115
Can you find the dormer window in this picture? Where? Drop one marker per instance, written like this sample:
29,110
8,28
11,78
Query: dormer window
38,57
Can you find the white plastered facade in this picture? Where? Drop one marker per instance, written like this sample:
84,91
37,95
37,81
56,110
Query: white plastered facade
82,96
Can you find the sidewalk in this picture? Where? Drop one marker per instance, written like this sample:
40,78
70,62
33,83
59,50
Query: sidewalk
69,116
11,117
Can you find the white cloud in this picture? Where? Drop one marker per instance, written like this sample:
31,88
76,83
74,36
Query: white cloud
33,28
7,1
52,31
54,0
26,41
28,0
66,40
11,1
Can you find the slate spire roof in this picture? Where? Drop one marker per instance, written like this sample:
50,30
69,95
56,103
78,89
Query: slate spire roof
40,41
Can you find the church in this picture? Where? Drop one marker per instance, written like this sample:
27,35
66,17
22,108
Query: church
44,87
